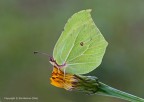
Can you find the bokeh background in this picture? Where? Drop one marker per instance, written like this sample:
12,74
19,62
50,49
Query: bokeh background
30,25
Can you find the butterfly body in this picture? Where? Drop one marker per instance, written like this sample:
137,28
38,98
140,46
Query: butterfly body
54,63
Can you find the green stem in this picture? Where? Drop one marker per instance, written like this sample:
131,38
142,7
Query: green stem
91,85
109,91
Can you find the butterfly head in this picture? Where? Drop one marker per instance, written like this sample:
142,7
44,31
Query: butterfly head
52,61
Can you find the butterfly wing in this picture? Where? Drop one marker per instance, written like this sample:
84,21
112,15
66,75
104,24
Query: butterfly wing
81,45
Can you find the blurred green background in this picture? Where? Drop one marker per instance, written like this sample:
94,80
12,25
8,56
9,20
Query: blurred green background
30,25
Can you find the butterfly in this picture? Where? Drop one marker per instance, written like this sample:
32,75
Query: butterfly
79,49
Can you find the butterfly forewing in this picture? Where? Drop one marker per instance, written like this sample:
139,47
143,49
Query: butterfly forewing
81,45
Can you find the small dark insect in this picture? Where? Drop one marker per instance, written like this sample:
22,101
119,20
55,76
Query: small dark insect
81,43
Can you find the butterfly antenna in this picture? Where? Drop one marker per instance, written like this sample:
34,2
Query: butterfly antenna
37,52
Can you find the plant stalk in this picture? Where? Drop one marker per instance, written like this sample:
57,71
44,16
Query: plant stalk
91,85
109,91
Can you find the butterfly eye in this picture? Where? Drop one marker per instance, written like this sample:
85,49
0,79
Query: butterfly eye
51,59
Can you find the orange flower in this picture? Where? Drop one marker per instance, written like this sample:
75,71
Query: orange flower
61,80
88,84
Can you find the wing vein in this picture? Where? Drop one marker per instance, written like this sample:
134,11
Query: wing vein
81,63
71,47
74,42
79,55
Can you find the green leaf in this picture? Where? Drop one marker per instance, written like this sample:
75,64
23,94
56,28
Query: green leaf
81,45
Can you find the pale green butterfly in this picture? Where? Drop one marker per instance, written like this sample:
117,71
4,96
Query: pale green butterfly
81,46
